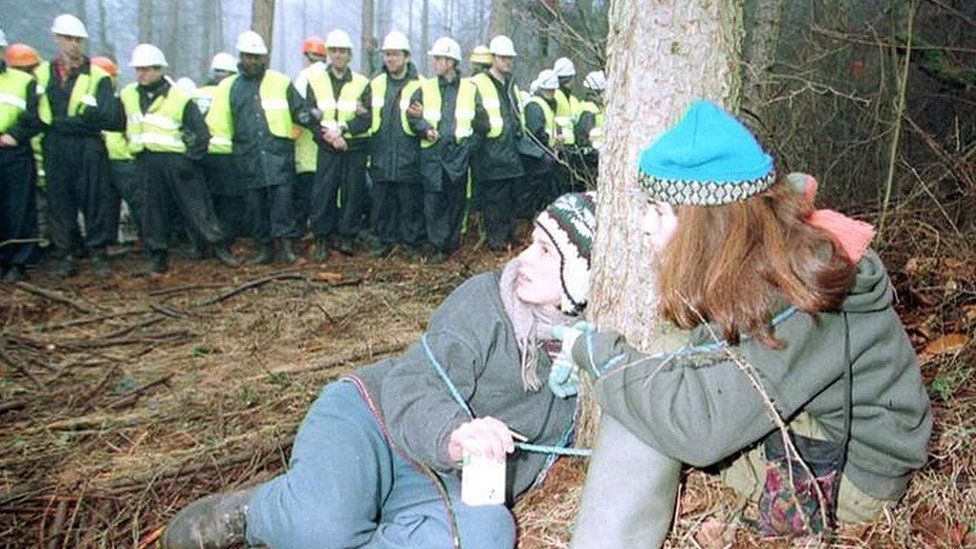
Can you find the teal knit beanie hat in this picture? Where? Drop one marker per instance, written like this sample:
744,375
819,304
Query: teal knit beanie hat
708,158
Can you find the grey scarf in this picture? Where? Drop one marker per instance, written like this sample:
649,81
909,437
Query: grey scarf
532,325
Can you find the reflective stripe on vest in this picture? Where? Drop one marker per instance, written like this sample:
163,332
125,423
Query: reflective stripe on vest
158,130
203,97
550,118
82,93
13,97
378,88
273,92
566,116
492,104
342,111
430,91
306,150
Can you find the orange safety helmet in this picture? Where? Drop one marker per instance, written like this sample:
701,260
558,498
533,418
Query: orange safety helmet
313,44
106,64
22,55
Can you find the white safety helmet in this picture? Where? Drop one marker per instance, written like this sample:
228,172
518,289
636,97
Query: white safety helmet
186,85
147,55
548,80
223,62
502,45
69,25
396,40
533,87
564,67
338,38
446,47
3,39
596,81
251,42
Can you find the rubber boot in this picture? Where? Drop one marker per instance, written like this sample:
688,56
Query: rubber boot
321,253
629,495
212,522
223,255
99,263
14,274
285,253
157,264
264,255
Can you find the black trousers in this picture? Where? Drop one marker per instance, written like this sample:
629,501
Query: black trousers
301,198
498,204
18,205
443,211
269,212
339,194
399,208
125,184
165,193
78,181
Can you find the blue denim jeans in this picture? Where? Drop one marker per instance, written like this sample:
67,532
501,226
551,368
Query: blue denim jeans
345,487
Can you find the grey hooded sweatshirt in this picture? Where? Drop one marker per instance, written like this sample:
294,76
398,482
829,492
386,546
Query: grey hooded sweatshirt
699,407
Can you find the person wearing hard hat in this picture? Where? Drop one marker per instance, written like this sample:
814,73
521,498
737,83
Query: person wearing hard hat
442,112
394,167
78,103
589,128
567,104
306,150
343,97
120,167
218,166
19,122
497,165
254,115
539,159
480,59
168,137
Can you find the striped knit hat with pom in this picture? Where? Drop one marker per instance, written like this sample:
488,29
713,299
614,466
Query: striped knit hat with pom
569,222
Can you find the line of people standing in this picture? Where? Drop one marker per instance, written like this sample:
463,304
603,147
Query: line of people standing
357,163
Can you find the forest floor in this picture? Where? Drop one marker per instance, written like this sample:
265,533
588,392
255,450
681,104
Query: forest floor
123,400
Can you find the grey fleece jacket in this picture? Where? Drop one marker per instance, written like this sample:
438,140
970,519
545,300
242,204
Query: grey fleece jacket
700,408
472,338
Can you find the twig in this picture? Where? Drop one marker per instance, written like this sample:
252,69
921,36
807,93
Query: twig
22,368
89,320
53,296
186,288
15,241
10,405
130,396
899,109
58,525
294,275
144,324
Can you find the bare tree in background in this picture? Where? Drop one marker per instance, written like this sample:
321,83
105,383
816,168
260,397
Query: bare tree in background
499,21
424,34
262,19
764,21
367,35
696,47
145,20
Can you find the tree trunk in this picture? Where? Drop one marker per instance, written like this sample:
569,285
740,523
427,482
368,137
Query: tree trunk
262,19
499,21
662,56
367,33
174,38
759,48
206,43
424,34
145,21
106,48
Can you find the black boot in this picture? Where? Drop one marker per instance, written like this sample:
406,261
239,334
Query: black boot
211,522
157,264
264,255
99,263
223,255
321,252
285,253
67,267
14,274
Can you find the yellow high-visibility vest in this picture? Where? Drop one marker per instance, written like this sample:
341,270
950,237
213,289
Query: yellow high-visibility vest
273,92
203,97
550,117
82,92
378,89
306,150
13,97
430,91
159,128
596,132
337,113
567,112
492,104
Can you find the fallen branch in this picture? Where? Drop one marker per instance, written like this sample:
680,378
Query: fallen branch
53,296
11,405
130,396
186,288
89,320
285,275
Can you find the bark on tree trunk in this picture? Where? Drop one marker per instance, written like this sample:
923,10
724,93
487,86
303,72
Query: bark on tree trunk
759,48
145,21
262,19
662,55
367,32
499,20
424,34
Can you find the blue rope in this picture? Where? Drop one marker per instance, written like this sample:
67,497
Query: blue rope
536,448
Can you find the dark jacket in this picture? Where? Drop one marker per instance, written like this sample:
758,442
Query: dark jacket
106,116
498,158
394,155
194,132
537,157
480,355
446,157
359,124
262,158
700,408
